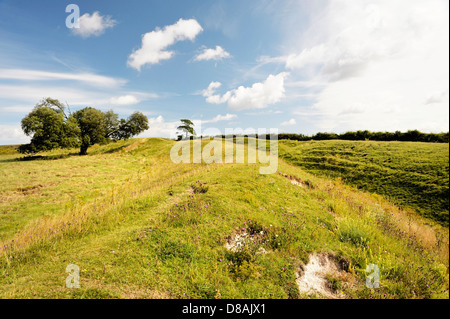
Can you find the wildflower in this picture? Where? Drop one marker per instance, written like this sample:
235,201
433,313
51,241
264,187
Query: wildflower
113,251
220,260
283,269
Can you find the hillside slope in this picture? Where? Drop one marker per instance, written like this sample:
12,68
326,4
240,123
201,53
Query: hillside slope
411,174
139,226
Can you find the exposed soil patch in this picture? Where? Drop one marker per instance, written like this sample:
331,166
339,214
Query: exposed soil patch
321,276
297,181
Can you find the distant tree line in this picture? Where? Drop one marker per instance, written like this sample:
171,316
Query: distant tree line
409,136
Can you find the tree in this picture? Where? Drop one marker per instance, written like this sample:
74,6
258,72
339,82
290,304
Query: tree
50,127
135,124
111,122
92,127
187,127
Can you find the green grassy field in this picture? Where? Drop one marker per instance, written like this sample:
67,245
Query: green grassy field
410,174
140,226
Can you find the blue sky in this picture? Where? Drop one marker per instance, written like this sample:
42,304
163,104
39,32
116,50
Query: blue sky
299,66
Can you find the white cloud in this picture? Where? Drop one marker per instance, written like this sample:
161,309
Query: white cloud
437,97
212,54
219,118
211,88
93,25
12,134
288,123
155,42
211,97
16,108
158,127
384,64
32,94
258,96
38,75
124,100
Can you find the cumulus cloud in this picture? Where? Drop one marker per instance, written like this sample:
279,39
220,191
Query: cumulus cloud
384,64
158,127
155,43
289,123
213,98
212,54
12,134
93,25
258,96
124,100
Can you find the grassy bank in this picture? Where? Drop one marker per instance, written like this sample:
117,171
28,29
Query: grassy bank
140,226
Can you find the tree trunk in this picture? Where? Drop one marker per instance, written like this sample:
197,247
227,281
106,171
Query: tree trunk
83,149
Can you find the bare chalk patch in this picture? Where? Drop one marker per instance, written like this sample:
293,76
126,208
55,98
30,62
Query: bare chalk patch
236,242
297,183
315,277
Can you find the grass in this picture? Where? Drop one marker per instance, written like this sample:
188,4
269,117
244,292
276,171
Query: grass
413,175
140,226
